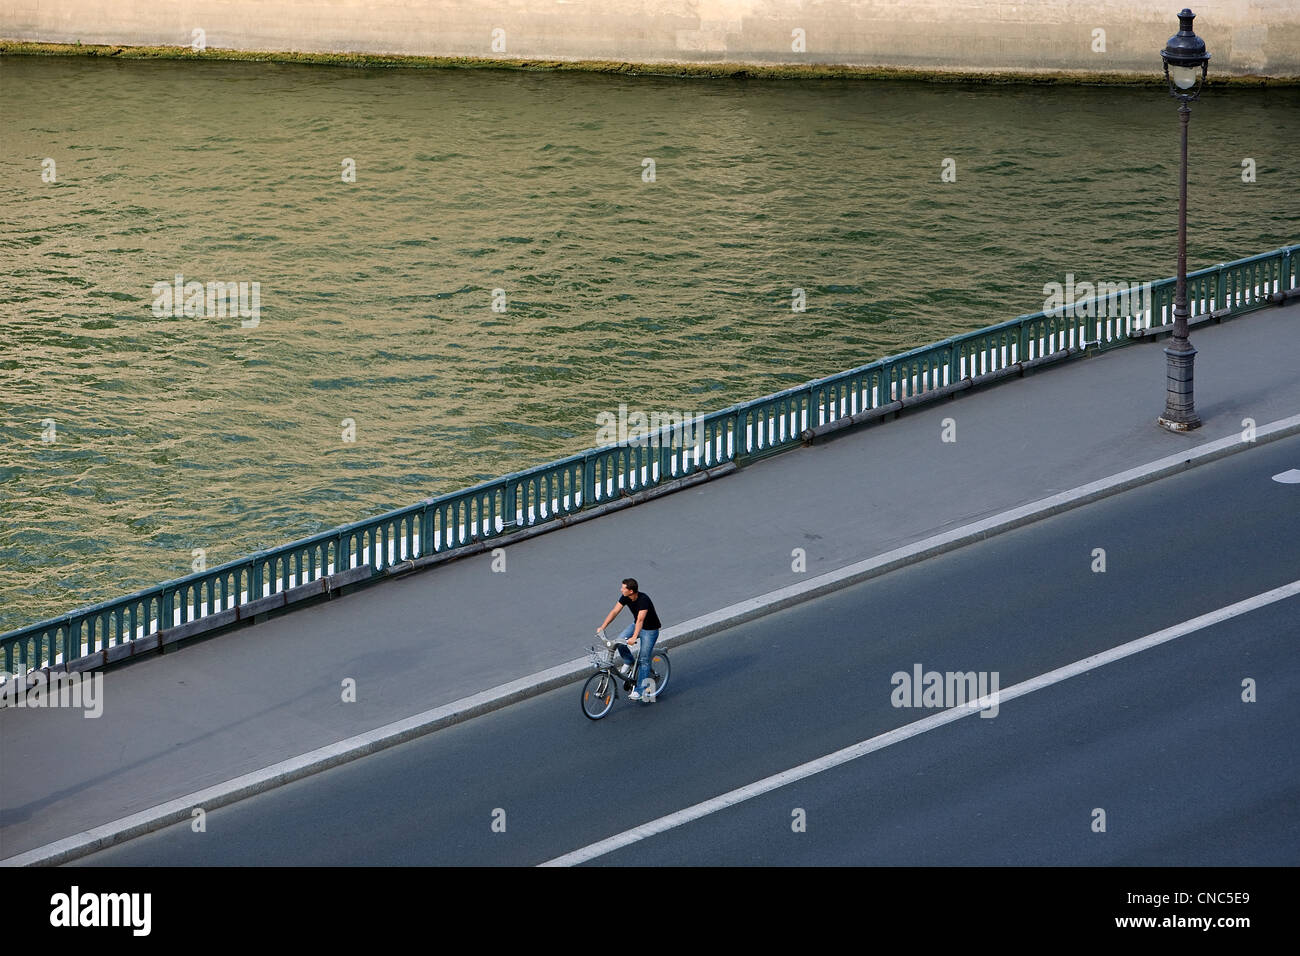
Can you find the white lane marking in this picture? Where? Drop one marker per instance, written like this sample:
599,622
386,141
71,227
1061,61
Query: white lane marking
865,747
1291,477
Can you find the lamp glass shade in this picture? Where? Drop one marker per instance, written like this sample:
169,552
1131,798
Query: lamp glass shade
1184,77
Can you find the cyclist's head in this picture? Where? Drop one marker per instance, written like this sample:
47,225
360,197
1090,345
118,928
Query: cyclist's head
630,585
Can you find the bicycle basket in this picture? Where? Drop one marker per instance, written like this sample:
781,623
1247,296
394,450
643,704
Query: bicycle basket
601,657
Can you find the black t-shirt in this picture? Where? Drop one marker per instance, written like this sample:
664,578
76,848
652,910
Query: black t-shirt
641,603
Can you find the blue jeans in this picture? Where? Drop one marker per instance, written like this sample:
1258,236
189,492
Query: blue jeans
645,645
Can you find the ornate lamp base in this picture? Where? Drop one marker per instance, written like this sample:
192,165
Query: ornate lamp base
1180,409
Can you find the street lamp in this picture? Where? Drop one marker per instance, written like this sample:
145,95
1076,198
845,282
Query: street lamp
1186,63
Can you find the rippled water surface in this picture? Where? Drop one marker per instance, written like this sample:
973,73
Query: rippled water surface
178,433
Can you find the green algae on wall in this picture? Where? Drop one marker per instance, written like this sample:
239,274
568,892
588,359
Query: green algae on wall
776,71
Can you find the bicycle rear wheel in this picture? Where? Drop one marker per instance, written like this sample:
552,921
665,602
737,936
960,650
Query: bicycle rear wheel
659,670
598,695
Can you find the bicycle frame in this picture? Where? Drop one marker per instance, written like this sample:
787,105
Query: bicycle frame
612,669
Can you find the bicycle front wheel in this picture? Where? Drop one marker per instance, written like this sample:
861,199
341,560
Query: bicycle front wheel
659,668
598,695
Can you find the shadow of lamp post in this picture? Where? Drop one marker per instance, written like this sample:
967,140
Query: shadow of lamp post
1185,67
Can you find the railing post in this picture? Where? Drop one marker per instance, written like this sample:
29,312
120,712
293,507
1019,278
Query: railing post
588,480
638,461
509,519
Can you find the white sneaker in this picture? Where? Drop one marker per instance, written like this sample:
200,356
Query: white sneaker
634,696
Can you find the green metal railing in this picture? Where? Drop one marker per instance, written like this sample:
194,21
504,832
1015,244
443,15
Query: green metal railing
548,492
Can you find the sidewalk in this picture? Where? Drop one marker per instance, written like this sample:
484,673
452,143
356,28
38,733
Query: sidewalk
215,710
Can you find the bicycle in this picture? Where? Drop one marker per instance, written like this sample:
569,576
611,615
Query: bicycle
601,688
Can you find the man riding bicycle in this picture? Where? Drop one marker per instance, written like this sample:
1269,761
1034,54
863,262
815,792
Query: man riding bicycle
645,626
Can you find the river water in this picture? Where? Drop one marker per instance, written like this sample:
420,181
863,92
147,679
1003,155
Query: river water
133,434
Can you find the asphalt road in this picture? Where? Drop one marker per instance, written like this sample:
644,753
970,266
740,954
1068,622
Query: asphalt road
213,710
1185,770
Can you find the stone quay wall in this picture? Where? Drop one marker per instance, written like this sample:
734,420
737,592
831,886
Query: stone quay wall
1245,37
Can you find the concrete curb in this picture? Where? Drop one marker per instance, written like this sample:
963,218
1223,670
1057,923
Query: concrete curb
268,778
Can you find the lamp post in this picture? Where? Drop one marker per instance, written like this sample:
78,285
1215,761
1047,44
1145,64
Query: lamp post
1186,64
